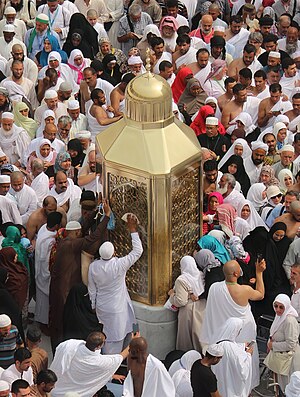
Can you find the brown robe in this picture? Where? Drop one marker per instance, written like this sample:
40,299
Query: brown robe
66,272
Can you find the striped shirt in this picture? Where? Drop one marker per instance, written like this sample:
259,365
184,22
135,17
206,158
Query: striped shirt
8,346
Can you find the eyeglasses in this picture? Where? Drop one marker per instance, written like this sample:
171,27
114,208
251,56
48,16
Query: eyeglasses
278,306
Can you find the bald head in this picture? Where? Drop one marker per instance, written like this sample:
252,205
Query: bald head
295,210
231,269
50,132
16,181
16,175
206,23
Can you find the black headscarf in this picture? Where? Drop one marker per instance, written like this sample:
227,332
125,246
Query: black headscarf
260,241
240,175
74,144
90,35
113,76
79,319
8,305
282,246
83,46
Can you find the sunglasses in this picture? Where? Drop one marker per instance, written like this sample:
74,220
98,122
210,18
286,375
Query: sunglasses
278,196
278,306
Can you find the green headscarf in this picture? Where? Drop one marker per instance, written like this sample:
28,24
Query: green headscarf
27,123
13,239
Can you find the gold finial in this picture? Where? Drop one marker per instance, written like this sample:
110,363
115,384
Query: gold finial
148,64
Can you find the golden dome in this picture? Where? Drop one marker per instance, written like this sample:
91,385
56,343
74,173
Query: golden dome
148,98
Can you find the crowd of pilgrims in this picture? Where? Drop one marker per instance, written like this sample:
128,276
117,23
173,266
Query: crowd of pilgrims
234,71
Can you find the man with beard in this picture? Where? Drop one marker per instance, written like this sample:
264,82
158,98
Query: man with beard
270,44
79,120
290,43
159,53
64,190
212,139
10,19
26,11
87,175
39,217
271,107
294,114
210,178
19,86
185,53
240,103
272,156
202,67
230,194
8,40
99,114
218,50
289,81
5,104
253,164
51,103
248,60
30,70
205,30
229,83
236,34
287,154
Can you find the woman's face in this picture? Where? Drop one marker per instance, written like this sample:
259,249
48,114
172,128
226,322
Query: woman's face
278,235
213,203
54,63
195,90
73,153
213,105
239,124
288,181
24,112
245,213
279,308
238,150
76,41
189,76
281,135
45,150
264,177
47,46
65,165
78,60
167,31
277,199
49,120
105,48
232,169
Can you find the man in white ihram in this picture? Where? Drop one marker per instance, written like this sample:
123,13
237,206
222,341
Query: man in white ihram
229,299
108,291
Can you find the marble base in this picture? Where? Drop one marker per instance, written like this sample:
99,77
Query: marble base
158,326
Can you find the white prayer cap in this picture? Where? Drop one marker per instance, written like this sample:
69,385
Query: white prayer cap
259,145
10,11
73,104
106,250
7,115
9,28
5,321
65,86
287,148
273,191
4,386
219,29
43,18
83,134
215,350
50,94
4,178
134,60
274,54
73,225
211,121
296,54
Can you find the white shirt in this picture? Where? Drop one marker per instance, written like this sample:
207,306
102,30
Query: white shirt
26,201
5,48
295,300
11,374
60,18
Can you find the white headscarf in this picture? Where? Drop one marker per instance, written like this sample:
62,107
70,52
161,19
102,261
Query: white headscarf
185,362
41,143
246,119
47,113
219,235
293,388
254,220
280,118
246,151
191,275
281,175
288,311
182,383
54,55
75,53
255,195
277,127
150,29
230,330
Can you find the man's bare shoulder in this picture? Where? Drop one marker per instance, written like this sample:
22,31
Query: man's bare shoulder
193,66
36,216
